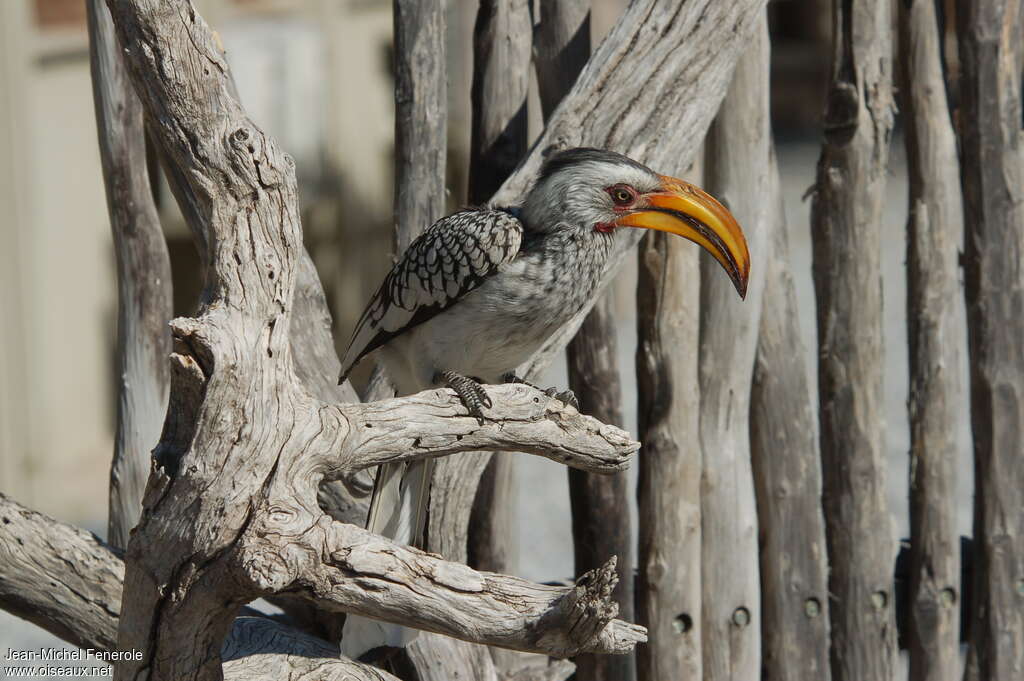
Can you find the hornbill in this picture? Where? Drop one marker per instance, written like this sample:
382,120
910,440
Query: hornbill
481,290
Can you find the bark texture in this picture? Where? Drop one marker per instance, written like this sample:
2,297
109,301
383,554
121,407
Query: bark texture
81,606
143,276
421,117
561,46
501,76
598,534
668,597
738,172
993,185
846,234
934,234
230,513
787,478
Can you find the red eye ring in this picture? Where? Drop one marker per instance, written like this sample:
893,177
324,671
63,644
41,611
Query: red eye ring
622,194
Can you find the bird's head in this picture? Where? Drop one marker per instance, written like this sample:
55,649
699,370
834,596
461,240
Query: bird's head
593,190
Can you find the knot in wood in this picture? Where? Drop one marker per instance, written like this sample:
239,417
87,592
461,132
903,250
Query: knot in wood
841,112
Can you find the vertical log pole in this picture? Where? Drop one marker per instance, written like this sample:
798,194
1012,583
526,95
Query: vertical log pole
846,234
502,39
787,478
563,46
597,532
738,161
990,118
933,292
143,276
561,49
668,489
421,117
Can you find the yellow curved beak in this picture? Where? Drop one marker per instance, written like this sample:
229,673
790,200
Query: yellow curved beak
688,211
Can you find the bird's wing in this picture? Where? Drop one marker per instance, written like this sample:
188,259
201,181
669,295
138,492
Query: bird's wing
453,257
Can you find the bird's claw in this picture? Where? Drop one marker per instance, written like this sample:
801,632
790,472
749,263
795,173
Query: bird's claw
568,398
470,392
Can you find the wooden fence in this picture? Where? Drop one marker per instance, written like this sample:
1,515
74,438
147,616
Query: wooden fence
764,546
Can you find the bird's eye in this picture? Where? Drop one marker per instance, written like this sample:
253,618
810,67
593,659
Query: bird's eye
622,195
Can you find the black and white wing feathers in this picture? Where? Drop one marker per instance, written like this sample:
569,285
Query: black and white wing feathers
453,257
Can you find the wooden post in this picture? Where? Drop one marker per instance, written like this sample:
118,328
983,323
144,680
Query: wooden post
990,126
421,117
846,233
668,594
501,73
598,534
143,276
561,46
787,478
935,337
738,172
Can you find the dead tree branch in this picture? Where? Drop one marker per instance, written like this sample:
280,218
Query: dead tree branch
230,511
935,335
143,276
846,232
81,605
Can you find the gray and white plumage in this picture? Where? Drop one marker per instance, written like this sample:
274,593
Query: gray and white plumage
480,291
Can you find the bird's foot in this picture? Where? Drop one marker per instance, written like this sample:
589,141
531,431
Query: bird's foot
472,394
566,397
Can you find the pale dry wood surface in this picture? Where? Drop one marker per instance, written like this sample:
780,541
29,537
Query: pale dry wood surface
786,463
143,276
846,235
993,185
245,443
936,340
668,488
738,173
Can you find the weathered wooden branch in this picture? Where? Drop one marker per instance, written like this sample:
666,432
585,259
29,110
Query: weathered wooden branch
993,186
738,171
436,423
230,511
786,463
81,605
846,234
143,276
363,573
934,234
668,489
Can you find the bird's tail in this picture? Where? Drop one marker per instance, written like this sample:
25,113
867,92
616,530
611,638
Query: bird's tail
398,510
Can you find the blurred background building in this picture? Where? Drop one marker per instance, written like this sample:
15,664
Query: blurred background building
316,74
